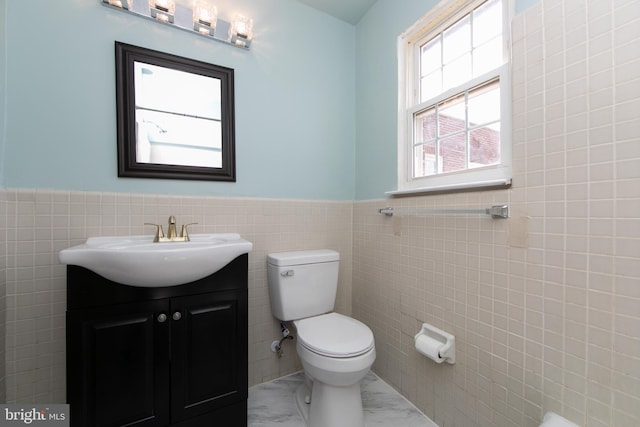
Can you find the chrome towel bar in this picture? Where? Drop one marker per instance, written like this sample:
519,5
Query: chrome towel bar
497,211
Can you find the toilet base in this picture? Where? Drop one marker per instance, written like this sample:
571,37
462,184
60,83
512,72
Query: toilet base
330,406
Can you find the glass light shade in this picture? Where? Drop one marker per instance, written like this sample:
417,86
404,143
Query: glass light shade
168,6
241,31
205,13
123,4
242,27
205,17
162,10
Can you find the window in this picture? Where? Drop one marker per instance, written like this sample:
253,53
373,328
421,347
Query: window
454,118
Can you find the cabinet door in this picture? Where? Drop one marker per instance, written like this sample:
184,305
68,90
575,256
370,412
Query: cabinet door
209,353
118,365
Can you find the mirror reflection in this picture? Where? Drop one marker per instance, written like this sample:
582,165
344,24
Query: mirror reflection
176,125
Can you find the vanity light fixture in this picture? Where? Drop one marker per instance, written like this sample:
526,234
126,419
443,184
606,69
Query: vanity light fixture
163,10
201,19
205,17
241,31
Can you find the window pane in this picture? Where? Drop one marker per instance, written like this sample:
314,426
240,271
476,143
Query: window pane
453,152
457,40
457,72
451,116
425,160
431,85
487,22
484,104
426,127
484,147
487,57
431,56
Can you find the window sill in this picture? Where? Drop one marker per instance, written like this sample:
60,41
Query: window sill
453,188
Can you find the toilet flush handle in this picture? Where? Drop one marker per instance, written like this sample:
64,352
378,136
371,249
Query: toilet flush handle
287,273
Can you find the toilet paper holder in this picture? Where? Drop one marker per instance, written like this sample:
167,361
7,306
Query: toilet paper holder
436,344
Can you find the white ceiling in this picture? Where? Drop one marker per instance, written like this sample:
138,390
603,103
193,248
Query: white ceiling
346,10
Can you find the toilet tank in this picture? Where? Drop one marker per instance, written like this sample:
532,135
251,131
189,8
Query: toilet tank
302,283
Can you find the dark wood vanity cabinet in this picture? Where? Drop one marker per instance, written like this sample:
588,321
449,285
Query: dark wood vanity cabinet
172,356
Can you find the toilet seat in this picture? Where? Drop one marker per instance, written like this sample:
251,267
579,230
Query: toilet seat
334,335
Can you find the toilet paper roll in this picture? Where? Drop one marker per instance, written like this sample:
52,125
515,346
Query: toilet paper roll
429,347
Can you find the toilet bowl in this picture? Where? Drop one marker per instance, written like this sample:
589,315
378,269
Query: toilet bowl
336,351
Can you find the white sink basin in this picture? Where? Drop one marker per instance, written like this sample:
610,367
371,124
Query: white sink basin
137,261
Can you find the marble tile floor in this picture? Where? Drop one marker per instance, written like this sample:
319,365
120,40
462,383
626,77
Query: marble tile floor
272,404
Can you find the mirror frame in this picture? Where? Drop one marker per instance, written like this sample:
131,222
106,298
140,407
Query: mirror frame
126,56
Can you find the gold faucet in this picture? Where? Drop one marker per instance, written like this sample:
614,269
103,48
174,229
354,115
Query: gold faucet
172,235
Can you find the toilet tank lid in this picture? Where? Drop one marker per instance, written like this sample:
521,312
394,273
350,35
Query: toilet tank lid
303,257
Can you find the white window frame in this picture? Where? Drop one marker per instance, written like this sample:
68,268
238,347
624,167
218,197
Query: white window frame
438,19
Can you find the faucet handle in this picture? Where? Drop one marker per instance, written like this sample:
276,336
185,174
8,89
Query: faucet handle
184,233
159,232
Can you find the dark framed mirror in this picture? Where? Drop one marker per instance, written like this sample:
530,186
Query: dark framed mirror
175,116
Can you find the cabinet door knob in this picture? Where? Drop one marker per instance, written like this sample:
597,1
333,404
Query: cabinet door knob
177,315
162,317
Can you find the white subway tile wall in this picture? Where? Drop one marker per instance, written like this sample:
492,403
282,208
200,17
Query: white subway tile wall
39,223
545,306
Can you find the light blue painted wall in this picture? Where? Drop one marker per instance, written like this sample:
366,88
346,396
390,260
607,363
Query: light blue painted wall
297,94
295,98
377,91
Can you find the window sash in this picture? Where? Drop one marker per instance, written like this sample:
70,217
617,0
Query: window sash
444,127
439,19
497,174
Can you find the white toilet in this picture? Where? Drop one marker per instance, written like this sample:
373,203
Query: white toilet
336,351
